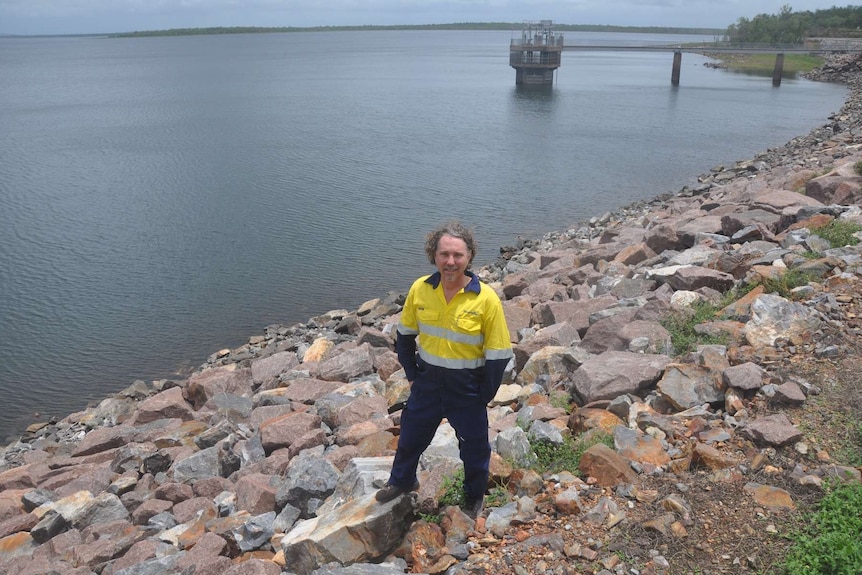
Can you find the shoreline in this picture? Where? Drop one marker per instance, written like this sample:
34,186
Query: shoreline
785,154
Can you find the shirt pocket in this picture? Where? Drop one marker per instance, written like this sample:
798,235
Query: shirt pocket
427,316
469,324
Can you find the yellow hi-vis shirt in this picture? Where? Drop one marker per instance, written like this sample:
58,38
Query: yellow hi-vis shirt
469,332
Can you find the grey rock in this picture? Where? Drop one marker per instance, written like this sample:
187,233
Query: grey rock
286,519
251,451
154,463
602,510
308,482
234,408
773,317
200,465
216,433
541,431
513,444
103,508
364,569
698,255
51,525
500,518
361,477
162,521
443,448
36,497
256,532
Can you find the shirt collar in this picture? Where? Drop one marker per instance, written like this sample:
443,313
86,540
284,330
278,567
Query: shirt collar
473,286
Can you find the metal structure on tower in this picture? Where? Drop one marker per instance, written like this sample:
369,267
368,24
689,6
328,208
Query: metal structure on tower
536,54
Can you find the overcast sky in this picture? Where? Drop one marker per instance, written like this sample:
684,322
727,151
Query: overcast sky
100,16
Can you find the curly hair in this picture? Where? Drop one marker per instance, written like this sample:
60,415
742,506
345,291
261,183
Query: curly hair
454,229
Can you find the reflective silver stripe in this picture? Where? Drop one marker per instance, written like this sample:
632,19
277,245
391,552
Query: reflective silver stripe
498,353
451,363
450,335
404,330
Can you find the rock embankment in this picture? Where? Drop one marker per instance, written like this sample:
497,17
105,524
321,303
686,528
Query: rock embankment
265,460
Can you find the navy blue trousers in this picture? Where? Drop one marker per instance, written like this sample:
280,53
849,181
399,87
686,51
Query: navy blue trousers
433,396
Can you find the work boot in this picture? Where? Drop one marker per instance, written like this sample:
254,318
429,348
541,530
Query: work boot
389,492
473,507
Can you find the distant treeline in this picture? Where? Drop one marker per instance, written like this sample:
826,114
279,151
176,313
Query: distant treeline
789,27
454,26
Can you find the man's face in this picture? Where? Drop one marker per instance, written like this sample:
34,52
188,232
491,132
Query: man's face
452,258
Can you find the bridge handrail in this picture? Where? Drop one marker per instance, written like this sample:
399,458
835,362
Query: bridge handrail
553,41
745,46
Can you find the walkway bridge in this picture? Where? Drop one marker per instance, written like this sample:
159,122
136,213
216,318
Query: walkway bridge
538,52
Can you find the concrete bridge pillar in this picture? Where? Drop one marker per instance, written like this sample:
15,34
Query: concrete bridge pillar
677,63
779,68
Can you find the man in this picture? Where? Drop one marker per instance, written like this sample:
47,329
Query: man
453,344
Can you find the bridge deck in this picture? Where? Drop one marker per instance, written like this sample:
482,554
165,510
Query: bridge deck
707,48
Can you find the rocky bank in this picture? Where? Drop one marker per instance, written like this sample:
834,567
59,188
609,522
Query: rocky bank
265,460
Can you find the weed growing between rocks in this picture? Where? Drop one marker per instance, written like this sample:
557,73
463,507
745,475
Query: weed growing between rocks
453,489
785,283
453,495
839,233
681,326
566,456
561,399
498,496
430,518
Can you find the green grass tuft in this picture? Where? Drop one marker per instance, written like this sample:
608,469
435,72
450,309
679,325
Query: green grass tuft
430,517
553,457
453,489
497,497
839,233
561,400
832,543
683,336
789,280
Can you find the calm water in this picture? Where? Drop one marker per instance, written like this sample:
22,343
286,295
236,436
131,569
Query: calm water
161,198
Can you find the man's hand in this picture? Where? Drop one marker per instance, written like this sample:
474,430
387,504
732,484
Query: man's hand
398,406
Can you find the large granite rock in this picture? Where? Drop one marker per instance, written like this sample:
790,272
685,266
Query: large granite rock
616,373
359,531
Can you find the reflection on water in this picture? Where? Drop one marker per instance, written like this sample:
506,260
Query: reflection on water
534,93
765,74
